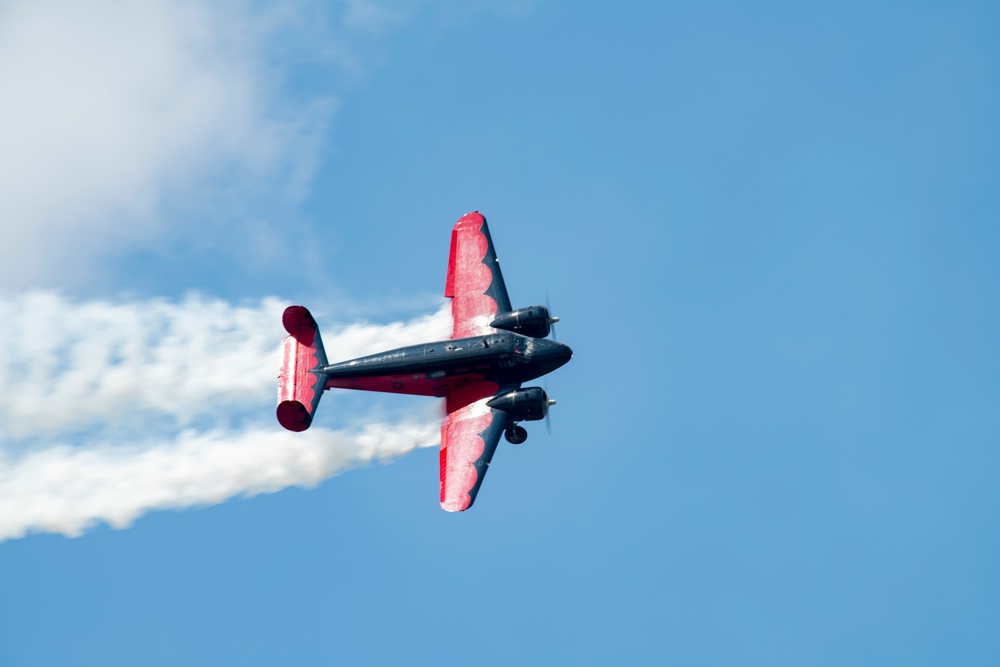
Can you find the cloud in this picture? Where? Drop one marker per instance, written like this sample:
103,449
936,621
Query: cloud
177,123
115,113
111,409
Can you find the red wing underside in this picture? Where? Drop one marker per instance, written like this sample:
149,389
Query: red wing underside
474,282
469,436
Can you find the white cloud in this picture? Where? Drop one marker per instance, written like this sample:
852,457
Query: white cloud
128,124
111,108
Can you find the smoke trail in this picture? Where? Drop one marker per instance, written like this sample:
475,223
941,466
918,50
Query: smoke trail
110,410
67,490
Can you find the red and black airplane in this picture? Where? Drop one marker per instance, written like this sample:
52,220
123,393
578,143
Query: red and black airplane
493,350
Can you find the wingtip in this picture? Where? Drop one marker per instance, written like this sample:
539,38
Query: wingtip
456,505
474,218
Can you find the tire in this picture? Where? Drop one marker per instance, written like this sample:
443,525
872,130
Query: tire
515,434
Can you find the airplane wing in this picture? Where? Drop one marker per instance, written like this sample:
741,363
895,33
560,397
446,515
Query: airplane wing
469,436
474,282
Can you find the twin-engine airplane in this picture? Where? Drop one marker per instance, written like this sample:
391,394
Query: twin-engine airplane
493,350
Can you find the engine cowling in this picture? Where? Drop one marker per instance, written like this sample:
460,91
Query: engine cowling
533,321
527,404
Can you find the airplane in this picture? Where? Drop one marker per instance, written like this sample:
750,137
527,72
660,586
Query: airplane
479,371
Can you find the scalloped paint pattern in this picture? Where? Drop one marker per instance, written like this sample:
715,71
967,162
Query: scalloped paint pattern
469,277
462,444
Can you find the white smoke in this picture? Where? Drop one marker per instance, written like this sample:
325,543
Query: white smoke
64,489
110,410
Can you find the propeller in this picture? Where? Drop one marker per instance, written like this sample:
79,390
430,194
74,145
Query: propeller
552,319
552,329
549,403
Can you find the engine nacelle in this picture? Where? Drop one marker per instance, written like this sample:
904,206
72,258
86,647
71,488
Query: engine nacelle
534,321
528,404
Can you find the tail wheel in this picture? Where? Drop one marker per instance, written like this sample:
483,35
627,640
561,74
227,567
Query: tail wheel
515,434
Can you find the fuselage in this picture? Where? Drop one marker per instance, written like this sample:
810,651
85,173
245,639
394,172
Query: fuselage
433,369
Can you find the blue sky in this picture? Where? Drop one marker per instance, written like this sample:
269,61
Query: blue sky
769,231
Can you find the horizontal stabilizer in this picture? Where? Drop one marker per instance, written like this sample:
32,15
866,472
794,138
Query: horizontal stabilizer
300,383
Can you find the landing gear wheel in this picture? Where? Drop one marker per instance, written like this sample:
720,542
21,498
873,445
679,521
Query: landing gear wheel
515,434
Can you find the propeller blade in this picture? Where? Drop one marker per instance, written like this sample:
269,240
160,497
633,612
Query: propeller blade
552,319
549,402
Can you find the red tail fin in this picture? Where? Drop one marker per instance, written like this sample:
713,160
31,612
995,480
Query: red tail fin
300,383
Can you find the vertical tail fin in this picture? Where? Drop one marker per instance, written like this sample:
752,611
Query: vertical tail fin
300,384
